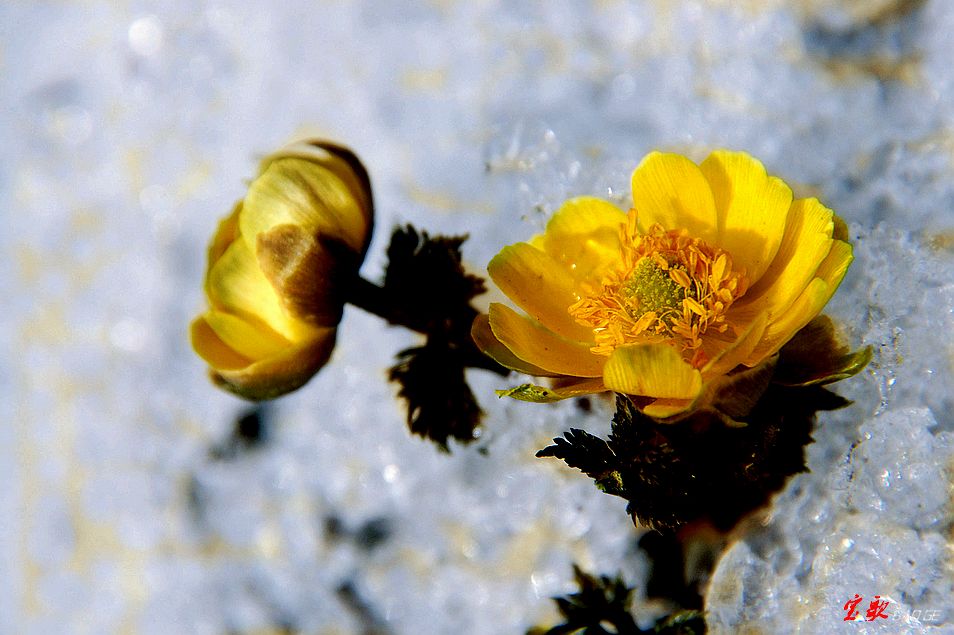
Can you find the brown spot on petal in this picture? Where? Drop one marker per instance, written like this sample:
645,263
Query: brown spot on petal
309,273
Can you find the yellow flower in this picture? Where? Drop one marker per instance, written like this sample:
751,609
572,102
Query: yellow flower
715,267
278,269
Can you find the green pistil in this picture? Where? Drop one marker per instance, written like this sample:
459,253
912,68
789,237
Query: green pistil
651,289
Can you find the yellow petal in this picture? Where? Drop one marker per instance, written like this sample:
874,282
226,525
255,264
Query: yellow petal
583,237
237,285
532,342
809,304
669,189
226,233
576,386
665,408
584,216
342,162
779,331
751,208
733,354
279,374
212,349
539,286
298,192
249,339
652,370
489,345
833,269
805,244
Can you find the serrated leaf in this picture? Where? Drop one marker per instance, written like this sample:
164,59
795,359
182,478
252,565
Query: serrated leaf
602,603
425,277
440,404
426,289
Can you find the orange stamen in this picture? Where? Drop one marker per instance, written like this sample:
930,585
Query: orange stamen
667,287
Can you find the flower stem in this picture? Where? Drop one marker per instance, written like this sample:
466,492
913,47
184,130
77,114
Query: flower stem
373,298
368,296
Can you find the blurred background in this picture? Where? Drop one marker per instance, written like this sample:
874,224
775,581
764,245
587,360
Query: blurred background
137,498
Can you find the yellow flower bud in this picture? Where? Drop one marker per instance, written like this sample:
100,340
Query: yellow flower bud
279,268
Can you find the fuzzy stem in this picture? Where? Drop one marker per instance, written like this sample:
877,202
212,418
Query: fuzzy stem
372,298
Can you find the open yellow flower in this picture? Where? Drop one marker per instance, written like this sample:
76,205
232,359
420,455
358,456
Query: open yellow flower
278,269
716,267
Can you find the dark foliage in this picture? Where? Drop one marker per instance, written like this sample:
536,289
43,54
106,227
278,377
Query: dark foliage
440,404
674,473
427,284
601,607
600,602
589,454
427,289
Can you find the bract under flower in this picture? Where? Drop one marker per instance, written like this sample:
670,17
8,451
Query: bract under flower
278,268
715,267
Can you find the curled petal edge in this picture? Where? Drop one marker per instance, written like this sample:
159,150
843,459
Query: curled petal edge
272,376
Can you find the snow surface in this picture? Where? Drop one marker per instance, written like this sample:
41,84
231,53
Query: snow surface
127,131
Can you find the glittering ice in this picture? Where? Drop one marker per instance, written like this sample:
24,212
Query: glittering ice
128,129
895,471
873,523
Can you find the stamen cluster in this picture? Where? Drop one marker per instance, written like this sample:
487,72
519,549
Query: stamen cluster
667,287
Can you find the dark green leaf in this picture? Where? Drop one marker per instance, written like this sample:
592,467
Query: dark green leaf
426,281
815,357
440,404
589,454
601,602
602,607
425,288
697,468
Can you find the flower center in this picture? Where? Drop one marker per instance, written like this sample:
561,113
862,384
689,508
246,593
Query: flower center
667,287
651,288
